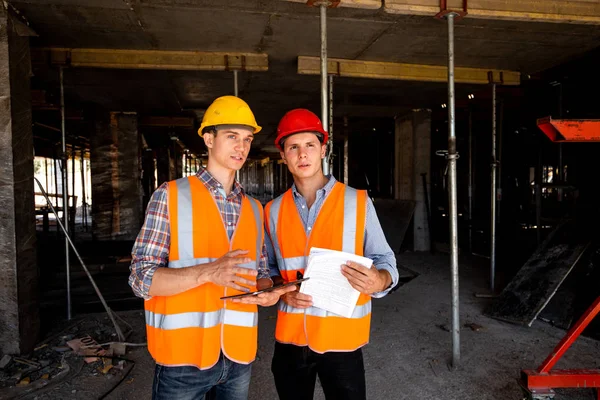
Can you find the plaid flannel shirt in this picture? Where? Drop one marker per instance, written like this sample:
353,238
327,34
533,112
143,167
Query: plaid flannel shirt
151,248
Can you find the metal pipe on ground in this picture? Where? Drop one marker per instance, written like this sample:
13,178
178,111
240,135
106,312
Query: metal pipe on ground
120,334
65,190
452,197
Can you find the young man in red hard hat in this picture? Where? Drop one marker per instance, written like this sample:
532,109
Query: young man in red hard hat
202,240
319,211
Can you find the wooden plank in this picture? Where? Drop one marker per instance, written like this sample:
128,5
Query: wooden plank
538,280
406,72
150,59
561,11
365,4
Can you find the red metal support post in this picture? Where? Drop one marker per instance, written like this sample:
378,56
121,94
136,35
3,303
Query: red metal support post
570,337
544,378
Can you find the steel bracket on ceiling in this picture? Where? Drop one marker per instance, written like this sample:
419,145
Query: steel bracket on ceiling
228,66
492,77
445,11
318,3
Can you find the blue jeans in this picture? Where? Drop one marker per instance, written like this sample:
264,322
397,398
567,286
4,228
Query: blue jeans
229,381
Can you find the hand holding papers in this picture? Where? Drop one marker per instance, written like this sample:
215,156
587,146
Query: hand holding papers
330,290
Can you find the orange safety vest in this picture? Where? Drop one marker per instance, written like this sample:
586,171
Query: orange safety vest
340,225
193,327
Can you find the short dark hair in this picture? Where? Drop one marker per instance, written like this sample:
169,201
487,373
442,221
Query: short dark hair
215,128
210,129
318,134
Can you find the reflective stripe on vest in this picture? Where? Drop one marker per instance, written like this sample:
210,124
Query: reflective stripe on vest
315,327
193,327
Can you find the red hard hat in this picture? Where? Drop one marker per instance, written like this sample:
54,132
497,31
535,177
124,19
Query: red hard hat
297,121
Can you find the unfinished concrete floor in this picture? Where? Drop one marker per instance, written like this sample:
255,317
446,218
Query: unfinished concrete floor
409,351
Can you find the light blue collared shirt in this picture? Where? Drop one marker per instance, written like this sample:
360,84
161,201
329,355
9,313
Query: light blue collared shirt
375,245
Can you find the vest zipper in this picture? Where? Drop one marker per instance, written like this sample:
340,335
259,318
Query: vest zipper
230,245
306,248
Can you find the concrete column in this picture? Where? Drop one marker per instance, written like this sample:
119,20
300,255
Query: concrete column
19,304
413,158
116,185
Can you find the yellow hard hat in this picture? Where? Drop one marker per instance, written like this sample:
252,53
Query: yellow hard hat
229,110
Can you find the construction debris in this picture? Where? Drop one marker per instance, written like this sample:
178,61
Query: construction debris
118,349
5,361
473,326
25,381
73,352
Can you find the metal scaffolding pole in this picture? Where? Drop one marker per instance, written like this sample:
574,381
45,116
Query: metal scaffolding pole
73,187
235,83
346,159
500,132
236,94
324,102
55,171
83,201
330,141
65,191
452,199
46,171
538,196
493,195
470,180
561,177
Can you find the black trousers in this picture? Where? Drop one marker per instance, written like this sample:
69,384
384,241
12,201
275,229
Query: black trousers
295,369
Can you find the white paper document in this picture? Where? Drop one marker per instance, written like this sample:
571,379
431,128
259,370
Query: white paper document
330,290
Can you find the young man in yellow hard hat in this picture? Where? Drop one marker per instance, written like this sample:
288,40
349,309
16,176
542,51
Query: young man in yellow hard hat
320,212
203,239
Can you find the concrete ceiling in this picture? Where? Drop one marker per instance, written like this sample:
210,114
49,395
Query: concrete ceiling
284,31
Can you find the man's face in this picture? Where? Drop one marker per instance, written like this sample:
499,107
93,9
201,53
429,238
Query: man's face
302,152
229,147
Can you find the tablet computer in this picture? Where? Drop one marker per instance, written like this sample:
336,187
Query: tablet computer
270,289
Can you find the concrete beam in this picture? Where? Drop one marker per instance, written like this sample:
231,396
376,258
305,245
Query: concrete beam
150,59
572,11
406,72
